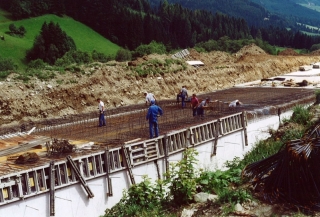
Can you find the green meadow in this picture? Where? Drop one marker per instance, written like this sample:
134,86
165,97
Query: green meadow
279,49
84,37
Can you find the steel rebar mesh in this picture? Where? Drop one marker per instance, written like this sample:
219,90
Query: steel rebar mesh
129,122
292,175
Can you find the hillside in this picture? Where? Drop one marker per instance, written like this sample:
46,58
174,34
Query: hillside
259,13
117,86
84,37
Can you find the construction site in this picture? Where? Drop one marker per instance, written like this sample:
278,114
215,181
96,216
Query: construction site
128,124
29,150
44,161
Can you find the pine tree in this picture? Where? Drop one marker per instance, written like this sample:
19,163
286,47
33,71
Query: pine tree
51,44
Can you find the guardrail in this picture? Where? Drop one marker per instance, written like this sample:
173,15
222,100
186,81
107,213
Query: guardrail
27,183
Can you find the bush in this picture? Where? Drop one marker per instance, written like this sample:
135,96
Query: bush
7,64
214,182
100,57
315,47
123,55
140,199
74,56
207,46
153,47
21,31
301,115
36,64
181,178
4,75
43,75
228,195
156,66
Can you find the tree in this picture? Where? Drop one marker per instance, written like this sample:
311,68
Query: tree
21,31
13,28
51,44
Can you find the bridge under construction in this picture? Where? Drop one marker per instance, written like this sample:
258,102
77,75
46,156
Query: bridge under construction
128,124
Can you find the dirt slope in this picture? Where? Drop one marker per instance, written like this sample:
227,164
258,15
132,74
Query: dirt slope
116,86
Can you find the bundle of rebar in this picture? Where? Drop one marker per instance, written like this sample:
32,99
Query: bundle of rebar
292,175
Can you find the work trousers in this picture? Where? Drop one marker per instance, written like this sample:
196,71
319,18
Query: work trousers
102,121
200,111
153,129
194,111
183,100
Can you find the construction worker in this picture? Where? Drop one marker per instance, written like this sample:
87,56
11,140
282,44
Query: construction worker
235,103
183,94
201,107
194,104
102,121
149,97
154,112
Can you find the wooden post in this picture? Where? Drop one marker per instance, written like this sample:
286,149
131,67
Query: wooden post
244,125
216,137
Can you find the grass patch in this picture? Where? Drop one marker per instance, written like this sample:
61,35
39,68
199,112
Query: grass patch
279,49
156,66
84,37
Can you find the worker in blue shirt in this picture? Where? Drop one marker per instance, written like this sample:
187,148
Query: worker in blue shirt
153,113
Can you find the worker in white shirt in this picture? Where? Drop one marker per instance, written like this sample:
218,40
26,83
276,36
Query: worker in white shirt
149,97
235,103
102,121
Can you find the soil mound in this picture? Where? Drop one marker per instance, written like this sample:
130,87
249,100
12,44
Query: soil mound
288,52
251,49
117,83
315,53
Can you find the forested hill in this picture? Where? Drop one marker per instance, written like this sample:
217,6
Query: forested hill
301,11
130,23
253,13
284,13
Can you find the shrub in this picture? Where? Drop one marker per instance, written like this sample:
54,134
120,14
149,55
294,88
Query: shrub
140,199
207,46
228,195
7,64
301,115
4,75
123,55
36,64
100,57
153,47
181,178
315,47
21,31
74,56
213,182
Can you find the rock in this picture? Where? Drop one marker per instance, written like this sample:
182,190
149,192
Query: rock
204,197
238,208
254,204
188,212
49,86
263,211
